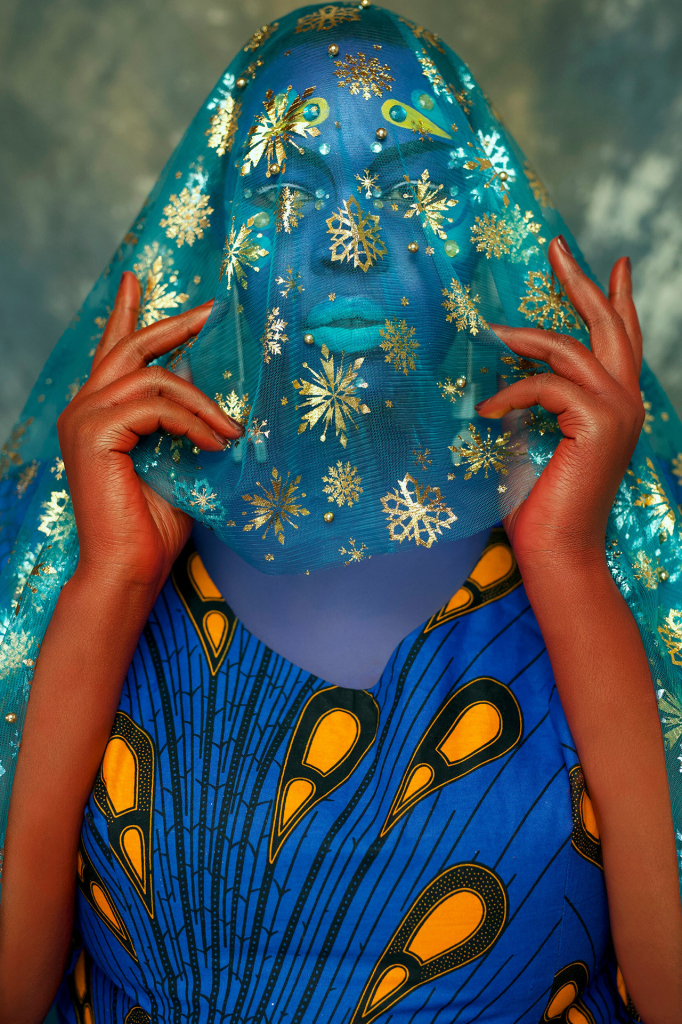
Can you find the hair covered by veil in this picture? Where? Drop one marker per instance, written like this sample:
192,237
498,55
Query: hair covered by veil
360,215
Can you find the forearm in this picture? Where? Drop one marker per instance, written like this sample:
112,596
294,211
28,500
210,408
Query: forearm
83,661
607,694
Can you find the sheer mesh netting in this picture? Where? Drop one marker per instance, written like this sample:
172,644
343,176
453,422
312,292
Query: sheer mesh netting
360,215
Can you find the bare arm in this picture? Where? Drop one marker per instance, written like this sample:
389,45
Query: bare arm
599,663
128,540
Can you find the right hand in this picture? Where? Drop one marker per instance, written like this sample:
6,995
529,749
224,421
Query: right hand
127,533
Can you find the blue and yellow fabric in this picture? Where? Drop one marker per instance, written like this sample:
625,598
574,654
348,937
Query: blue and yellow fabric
360,215
262,846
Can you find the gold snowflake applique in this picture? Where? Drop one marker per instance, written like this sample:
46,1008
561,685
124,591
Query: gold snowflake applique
288,209
275,129
644,570
540,193
202,499
648,415
521,367
522,229
450,389
186,216
326,18
223,126
677,466
416,513
461,307
343,484
9,453
276,506
546,303
368,183
423,33
236,406
542,423
156,299
499,175
331,396
464,100
671,634
672,709
54,507
421,458
240,254
58,469
430,71
274,336
256,433
428,203
355,235
491,234
292,283
485,453
15,651
652,497
399,344
260,35
252,68
356,553
362,76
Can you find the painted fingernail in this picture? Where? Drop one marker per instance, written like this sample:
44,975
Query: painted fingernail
479,405
220,439
628,264
563,244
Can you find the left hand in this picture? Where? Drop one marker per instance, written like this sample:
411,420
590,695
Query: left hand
595,395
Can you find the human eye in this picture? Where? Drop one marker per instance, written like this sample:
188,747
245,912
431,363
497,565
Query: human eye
266,196
400,193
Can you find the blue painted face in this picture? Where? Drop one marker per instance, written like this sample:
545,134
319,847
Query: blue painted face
389,160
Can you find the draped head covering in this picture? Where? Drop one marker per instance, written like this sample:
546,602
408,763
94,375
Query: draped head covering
359,213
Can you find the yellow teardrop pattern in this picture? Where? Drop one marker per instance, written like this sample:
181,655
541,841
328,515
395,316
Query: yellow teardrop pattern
585,835
564,1005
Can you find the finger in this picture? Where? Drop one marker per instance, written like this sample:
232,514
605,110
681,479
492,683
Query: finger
566,356
608,336
123,319
620,297
120,428
575,407
138,349
155,381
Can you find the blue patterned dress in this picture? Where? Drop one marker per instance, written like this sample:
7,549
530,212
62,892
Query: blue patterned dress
260,846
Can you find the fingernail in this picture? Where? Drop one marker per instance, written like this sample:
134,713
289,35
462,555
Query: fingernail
628,264
221,440
233,423
480,404
563,244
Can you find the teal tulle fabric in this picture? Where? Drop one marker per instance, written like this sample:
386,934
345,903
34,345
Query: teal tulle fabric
360,215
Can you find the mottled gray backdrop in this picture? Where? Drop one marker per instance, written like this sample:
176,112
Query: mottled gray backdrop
94,94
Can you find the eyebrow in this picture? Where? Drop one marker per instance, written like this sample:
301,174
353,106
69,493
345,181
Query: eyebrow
398,153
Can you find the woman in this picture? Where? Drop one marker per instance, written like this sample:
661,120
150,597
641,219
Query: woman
263,838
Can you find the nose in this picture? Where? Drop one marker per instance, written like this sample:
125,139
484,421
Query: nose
348,238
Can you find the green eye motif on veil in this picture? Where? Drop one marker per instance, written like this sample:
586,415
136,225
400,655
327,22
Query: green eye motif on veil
275,129
403,116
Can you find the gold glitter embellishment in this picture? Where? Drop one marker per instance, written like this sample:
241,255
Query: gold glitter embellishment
355,235
240,254
368,183
671,634
399,345
260,35
356,553
491,235
331,396
26,478
186,216
9,453
497,236
653,497
499,175
540,193
291,283
288,210
236,406
644,570
362,76
461,308
326,18
464,100
275,507
274,335
255,433
54,507
416,513
223,126
421,458
672,709
677,466
202,500
648,415
489,453
343,484
450,389
58,469
430,71
156,299
542,423
274,130
423,33
252,68
428,203
546,303
521,367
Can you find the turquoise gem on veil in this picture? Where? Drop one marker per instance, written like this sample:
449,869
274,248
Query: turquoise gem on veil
311,112
397,113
